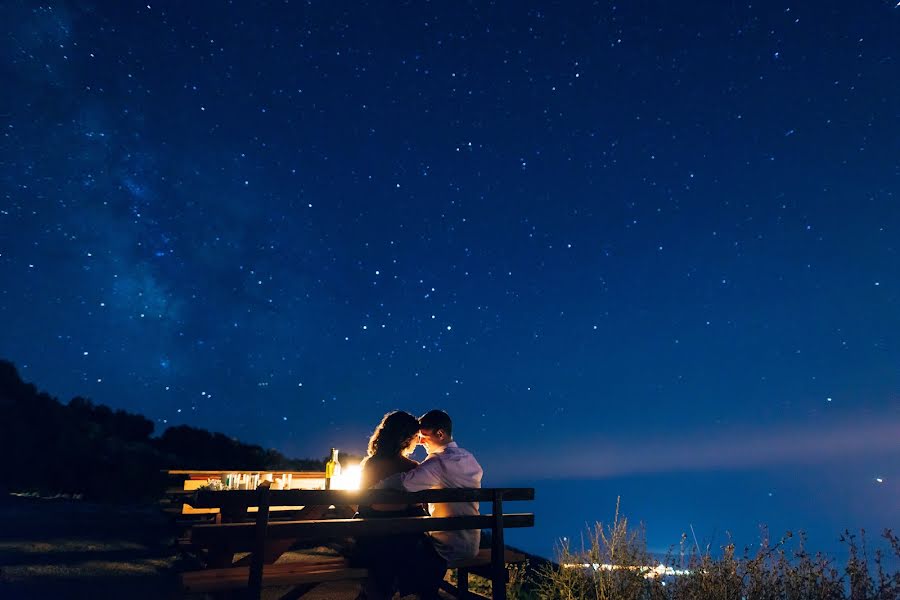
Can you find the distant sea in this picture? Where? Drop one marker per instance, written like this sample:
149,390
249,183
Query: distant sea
720,506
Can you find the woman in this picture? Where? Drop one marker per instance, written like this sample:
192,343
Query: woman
389,448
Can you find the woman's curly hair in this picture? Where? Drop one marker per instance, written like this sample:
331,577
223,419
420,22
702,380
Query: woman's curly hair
396,434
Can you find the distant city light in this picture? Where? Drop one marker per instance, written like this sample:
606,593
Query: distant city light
659,570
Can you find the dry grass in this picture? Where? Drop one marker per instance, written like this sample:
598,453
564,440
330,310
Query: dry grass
784,570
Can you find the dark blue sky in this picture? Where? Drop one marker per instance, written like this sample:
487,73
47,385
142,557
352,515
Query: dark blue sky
653,240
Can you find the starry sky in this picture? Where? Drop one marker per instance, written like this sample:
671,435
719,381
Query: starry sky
646,249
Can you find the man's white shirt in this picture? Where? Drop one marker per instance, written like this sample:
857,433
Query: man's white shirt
449,467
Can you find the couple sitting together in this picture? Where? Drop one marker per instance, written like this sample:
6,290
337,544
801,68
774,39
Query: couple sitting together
416,563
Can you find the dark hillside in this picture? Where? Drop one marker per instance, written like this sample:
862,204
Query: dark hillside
104,454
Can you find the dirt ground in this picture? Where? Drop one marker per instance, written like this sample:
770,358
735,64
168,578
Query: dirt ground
73,549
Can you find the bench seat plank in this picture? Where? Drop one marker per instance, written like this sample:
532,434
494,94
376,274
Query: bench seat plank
238,499
213,580
238,534
484,558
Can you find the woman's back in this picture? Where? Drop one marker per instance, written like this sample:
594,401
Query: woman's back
387,557
376,468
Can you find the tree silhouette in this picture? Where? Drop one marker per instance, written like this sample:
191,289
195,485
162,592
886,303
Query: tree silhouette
90,449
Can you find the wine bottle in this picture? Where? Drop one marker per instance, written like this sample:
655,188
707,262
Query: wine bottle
332,468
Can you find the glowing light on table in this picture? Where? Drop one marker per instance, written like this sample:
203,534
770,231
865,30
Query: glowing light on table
348,479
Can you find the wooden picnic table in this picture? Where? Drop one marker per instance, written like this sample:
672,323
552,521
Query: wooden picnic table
190,480
194,479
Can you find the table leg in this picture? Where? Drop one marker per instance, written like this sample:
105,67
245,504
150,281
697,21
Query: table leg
462,583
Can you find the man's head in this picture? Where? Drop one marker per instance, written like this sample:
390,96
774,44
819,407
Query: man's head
435,430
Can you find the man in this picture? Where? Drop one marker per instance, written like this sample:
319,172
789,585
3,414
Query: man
446,466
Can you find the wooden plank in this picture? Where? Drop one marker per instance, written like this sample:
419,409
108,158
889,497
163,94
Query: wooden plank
462,583
214,473
236,534
484,558
242,571
213,580
187,509
498,566
234,499
259,545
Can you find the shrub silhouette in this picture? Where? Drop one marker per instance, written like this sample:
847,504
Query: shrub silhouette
773,571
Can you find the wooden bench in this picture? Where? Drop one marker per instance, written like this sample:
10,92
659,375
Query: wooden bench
266,539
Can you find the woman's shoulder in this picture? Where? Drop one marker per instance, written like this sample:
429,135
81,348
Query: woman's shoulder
389,460
371,463
377,468
378,462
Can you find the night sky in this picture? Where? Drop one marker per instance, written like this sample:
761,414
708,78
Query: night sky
648,249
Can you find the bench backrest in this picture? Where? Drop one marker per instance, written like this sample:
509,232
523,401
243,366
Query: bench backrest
234,500
241,535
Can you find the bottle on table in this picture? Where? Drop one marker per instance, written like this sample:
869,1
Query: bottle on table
332,468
